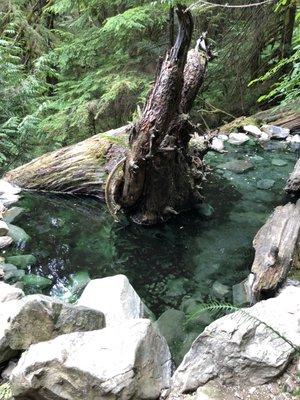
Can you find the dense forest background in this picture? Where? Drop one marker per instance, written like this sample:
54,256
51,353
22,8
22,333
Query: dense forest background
73,68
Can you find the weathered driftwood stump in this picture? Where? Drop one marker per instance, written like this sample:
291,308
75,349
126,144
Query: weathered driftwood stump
293,183
161,176
277,249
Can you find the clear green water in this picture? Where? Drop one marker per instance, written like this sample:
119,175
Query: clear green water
167,264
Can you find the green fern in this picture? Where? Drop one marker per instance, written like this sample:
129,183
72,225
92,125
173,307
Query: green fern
215,307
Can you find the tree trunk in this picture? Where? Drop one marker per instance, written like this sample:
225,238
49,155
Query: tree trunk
78,169
158,179
162,175
277,250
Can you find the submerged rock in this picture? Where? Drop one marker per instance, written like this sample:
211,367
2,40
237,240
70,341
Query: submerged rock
219,290
8,293
124,362
115,297
238,138
278,162
171,325
205,209
10,272
36,281
265,184
276,132
247,346
22,260
18,234
237,166
37,318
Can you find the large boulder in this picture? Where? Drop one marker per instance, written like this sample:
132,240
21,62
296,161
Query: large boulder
253,345
115,297
38,318
8,293
124,362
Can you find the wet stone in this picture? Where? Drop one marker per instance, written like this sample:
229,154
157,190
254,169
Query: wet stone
278,162
265,184
237,166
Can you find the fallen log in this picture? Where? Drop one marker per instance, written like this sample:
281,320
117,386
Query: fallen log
78,169
277,250
293,183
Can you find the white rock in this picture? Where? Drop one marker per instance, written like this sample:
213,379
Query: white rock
37,318
240,347
3,228
217,144
223,137
8,198
264,137
115,297
8,293
5,241
128,361
295,139
238,138
6,187
253,130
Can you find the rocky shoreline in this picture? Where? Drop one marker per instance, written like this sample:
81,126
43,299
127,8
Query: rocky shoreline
54,350
108,345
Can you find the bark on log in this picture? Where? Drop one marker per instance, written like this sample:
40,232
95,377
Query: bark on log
277,250
78,169
293,183
158,176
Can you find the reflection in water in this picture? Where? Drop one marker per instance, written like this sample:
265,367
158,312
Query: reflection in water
170,266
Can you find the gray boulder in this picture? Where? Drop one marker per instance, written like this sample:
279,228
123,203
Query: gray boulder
8,293
115,297
130,361
276,132
246,346
38,318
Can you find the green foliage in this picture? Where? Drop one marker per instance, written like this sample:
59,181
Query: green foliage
70,69
286,71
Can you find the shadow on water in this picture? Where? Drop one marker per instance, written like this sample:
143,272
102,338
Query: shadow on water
197,256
